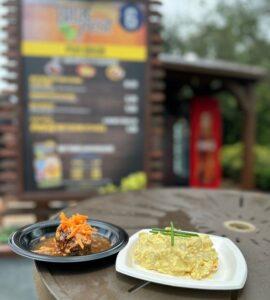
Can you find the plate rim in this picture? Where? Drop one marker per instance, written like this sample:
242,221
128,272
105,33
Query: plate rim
68,259
237,282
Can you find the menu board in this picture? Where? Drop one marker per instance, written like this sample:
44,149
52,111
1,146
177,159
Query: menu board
84,87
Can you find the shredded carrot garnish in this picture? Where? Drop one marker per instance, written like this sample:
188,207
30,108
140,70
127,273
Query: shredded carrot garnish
80,243
76,224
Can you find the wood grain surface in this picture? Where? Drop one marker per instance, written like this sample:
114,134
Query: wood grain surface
189,209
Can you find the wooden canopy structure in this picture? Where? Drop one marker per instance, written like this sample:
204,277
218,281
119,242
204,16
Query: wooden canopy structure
211,77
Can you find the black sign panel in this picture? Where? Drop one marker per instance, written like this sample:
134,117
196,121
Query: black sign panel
84,93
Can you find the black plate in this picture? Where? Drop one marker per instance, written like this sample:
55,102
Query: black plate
23,240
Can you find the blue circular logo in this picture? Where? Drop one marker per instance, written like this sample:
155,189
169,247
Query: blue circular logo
131,17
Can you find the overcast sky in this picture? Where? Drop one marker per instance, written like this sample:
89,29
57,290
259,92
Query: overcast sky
194,8
188,11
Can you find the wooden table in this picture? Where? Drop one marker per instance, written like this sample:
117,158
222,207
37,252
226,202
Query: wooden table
198,210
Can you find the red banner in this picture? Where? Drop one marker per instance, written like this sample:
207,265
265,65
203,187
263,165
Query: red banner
206,131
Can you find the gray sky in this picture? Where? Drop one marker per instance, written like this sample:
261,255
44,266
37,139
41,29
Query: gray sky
186,13
194,8
172,9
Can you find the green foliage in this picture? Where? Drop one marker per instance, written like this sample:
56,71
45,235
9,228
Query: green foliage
5,233
232,162
108,189
235,32
232,119
263,113
133,182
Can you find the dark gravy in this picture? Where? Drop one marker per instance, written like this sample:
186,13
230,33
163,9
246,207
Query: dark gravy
47,246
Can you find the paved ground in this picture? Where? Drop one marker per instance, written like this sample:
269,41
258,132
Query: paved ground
16,279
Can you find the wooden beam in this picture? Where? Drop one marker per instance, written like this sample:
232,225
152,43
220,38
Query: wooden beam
249,138
239,92
245,95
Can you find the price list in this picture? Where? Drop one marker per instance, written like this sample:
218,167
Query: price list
84,93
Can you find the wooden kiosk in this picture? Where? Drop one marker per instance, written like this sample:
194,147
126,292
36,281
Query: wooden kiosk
81,106
212,77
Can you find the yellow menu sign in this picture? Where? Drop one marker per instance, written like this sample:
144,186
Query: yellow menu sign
82,29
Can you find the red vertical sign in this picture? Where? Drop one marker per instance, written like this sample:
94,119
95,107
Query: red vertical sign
206,131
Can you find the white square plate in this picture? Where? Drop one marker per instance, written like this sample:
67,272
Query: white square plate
231,273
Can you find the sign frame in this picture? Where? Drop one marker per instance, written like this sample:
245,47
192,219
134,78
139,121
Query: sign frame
47,195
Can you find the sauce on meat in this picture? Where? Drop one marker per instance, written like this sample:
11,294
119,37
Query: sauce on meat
48,246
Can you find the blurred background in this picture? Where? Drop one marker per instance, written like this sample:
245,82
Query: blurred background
216,134
235,31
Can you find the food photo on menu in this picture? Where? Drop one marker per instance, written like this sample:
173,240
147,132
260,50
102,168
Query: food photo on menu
134,149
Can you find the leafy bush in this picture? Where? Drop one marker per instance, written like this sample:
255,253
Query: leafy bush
232,162
5,233
133,182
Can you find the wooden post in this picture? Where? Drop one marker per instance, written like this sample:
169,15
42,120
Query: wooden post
245,94
249,139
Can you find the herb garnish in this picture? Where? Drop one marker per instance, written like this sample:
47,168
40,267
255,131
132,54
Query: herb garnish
173,233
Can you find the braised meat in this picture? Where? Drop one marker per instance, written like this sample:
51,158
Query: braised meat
74,235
